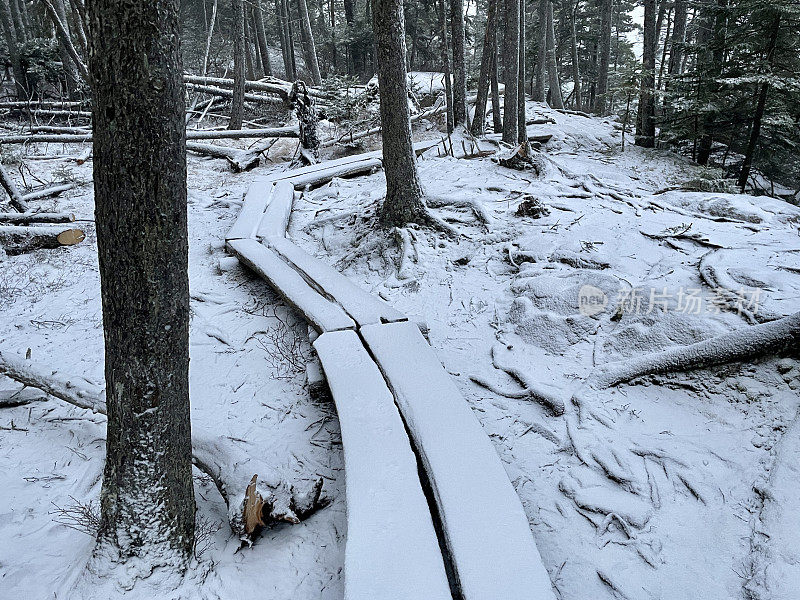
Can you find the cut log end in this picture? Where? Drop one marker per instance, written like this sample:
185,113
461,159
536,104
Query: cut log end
70,237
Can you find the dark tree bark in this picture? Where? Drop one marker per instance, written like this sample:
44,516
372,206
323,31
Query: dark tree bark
604,50
540,86
478,127
556,101
147,499
576,70
237,103
12,44
403,203
497,117
459,66
445,50
511,72
719,16
287,43
522,130
761,103
261,37
307,39
646,124
353,58
678,39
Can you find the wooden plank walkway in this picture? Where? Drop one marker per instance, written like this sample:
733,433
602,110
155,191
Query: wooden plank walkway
392,550
377,362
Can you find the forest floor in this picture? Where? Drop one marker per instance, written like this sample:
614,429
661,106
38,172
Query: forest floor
679,511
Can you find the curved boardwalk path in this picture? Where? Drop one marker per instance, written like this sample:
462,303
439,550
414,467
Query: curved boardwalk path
431,514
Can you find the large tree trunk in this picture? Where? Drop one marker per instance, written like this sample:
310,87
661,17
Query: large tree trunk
353,58
576,71
147,498
478,127
237,104
540,86
209,37
459,67
646,123
287,43
719,17
556,101
755,131
678,39
511,72
601,92
261,37
12,45
445,50
522,130
307,39
403,203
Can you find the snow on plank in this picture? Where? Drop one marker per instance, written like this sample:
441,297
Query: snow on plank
325,173
255,202
322,314
485,528
275,219
363,307
392,550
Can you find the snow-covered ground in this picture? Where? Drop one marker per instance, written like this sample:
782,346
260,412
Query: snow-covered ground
676,495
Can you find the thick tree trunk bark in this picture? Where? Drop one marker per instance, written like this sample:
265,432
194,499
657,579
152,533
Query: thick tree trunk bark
646,124
497,117
540,85
678,39
459,66
445,50
511,72
755,131
556,101
147,499
237,104
403,203
261,37
576,70
522,129
307,39
478,127
601,92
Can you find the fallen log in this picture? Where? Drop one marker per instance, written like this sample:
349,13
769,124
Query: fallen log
46,192
19,239
14,195
223,93
239,160
58,129
33,217
257,86
255,492
21,104
193,134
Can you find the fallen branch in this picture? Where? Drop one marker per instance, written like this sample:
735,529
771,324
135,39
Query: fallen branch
257,86
27,218
46,192
14,195
192,134
239,160
18,239
255,492
222,93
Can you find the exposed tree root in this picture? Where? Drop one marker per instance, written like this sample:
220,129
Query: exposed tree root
407,241
254,491
478,209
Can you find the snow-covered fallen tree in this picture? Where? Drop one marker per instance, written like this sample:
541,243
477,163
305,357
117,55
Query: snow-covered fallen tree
254,491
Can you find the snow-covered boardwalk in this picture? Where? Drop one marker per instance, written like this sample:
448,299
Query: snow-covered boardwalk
431,512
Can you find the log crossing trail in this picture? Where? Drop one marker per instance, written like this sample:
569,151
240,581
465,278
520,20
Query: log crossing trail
431,513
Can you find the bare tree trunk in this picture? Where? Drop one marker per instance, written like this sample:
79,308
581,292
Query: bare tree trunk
261,37
307,39
556,100
211,24
576,70
663,63
719,17
70,69
287,43
601,92
678,39
403,203
497,117
540,86
248,55
755,131
646,124
478,127
147,499
448,84
522,129
511,72
19,26
459,67
237,103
